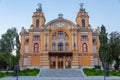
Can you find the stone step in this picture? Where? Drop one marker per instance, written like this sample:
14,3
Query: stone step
60,73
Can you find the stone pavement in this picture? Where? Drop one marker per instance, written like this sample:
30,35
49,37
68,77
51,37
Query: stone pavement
61,74
61,78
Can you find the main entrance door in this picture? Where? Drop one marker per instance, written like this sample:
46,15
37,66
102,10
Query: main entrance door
60,62
67,62
53,62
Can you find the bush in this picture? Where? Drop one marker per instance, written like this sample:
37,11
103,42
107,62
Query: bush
25,72
95,72
29,72
5,74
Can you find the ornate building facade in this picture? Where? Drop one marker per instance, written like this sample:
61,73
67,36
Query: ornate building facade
59,43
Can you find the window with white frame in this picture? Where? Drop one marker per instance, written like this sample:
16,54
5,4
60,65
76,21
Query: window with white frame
84,47
36,47
36,37
26,49
95,61
94,49
53,46
66,46
25,61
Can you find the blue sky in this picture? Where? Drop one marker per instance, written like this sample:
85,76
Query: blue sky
18,13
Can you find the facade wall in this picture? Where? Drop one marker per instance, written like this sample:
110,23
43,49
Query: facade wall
39,42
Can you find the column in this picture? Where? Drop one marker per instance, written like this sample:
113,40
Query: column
56,62
64,62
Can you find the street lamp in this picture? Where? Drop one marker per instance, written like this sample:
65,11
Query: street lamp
16,70
105,69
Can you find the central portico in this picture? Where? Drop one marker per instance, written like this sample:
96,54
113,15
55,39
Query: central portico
60,59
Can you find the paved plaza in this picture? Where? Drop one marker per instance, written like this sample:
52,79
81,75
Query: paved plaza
61,74
61,78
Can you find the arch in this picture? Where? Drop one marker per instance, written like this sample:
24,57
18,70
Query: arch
63,30
66,35
70,23
84,47
36,47
83,23
37,23
60,46
54,35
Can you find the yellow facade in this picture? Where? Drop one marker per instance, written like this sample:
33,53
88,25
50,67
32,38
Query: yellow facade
59,43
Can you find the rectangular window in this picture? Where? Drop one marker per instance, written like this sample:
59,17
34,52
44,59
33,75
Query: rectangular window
84,37
60,35
25,61
94,49
67,46
36,37
94,42
53,46
26,49
95,61
54,36
26,41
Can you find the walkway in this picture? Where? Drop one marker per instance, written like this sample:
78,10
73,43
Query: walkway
61,78
61,74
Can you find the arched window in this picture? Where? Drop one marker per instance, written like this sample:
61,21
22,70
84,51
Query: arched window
54,36
60,46
83,22
66,46
66,36
36,47
53,46
60,34
84,47
37,23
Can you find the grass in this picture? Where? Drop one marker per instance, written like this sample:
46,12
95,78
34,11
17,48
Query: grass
5,74
25,72
29,72
95,72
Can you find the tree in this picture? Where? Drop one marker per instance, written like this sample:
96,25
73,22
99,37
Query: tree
104,50
114,45
3,61
8,41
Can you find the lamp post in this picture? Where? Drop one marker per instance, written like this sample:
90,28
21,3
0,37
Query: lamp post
16,70
105,70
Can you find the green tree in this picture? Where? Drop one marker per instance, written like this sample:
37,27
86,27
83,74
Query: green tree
8,41
104,50
114,45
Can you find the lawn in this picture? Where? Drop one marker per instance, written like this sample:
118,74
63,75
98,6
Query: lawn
95,72
25,72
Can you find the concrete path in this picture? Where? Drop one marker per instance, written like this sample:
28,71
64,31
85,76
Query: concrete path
64,74
61,78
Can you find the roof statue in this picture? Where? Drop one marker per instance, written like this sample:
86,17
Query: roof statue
39,8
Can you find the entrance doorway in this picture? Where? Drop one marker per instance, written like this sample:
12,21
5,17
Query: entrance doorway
67,62
52,62
60,62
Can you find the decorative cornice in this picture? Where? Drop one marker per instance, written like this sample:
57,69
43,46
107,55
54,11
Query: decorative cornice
58,20
84,30
36,30
95,34
86,54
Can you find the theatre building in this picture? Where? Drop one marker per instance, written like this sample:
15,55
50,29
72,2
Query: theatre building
60,43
